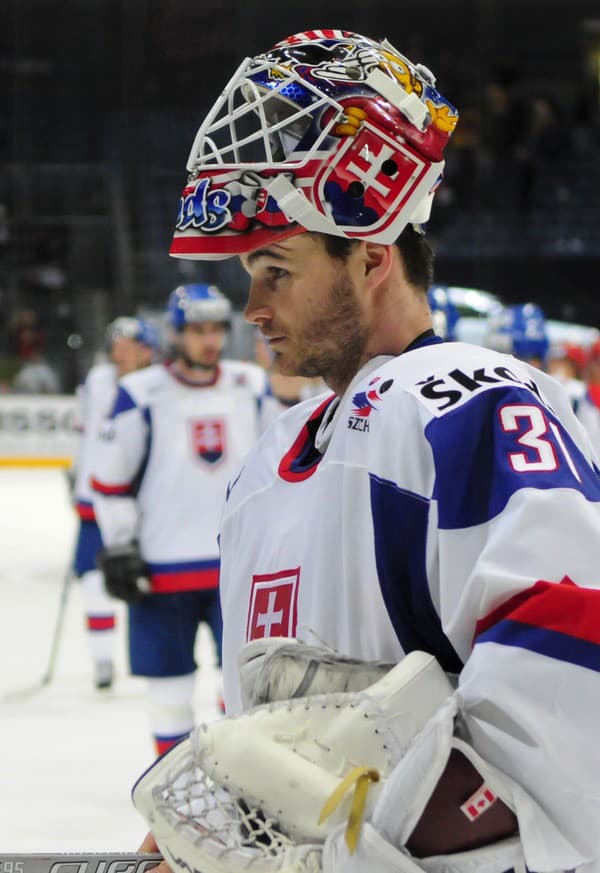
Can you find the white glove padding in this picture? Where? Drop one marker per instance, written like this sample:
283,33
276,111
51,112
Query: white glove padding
263,790
282,668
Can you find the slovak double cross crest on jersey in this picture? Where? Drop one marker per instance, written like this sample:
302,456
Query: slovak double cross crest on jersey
208,439
273,607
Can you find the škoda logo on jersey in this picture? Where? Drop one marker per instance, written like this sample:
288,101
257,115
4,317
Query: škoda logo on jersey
448,391
367,402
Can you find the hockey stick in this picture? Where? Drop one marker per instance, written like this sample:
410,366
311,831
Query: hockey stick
23,693
75,862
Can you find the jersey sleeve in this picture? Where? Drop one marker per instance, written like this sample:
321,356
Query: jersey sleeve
79,417
118,467
516,507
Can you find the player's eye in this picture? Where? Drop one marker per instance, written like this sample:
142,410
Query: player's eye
276,273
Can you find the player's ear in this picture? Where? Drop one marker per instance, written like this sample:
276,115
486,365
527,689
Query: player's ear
378,260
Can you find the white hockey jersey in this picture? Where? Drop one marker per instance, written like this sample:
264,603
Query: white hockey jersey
94,401
449,502
168,451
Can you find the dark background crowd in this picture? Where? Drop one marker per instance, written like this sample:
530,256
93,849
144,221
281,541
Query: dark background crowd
100,100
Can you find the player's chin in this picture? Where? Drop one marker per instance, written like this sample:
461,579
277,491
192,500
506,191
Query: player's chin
285,365
208,361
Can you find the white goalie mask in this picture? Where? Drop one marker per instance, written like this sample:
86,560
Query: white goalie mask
328,131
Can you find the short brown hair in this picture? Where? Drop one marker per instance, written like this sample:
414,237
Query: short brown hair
417,254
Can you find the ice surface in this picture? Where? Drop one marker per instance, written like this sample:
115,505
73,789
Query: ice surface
69,754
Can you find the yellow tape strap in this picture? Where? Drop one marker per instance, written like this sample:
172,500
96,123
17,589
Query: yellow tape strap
359,778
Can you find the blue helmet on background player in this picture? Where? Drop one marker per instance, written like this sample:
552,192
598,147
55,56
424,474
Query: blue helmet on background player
196,303
519,330
133,327
444,312
132,342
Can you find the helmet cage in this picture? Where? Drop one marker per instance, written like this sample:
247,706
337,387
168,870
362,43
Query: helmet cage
247,117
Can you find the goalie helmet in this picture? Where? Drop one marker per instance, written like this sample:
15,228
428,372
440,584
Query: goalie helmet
519,330
329,131
196,303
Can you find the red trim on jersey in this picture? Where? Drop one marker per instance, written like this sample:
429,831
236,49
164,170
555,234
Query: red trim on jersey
100,622
171,366
563,607
85,511
187,580
594,394
110,490
304,437
163,744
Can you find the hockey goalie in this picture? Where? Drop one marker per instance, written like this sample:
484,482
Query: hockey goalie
366,771
437,508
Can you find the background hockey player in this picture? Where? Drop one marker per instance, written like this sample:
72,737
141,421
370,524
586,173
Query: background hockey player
176,434
131,344
444,312
519,330
443,497
588,406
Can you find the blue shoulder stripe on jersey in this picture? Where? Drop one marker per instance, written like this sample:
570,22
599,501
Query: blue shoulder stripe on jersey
553,644
400,530
137,481
502,440
123,402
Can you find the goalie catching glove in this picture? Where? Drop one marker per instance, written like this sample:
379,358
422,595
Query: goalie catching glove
124,572
333,782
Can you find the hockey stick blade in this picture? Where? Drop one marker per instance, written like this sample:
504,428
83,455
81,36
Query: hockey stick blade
75,862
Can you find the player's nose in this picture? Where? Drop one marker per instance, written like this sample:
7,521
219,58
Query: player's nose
257,309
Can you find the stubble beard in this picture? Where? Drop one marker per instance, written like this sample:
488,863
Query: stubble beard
332,344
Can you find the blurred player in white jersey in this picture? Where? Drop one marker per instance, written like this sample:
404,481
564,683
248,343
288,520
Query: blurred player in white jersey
440,496
176,434
131,344
588,407
567,362
521,330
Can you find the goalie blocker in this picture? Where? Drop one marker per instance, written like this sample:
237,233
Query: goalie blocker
375,779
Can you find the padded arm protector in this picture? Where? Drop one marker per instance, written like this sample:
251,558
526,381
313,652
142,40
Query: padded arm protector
281,668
